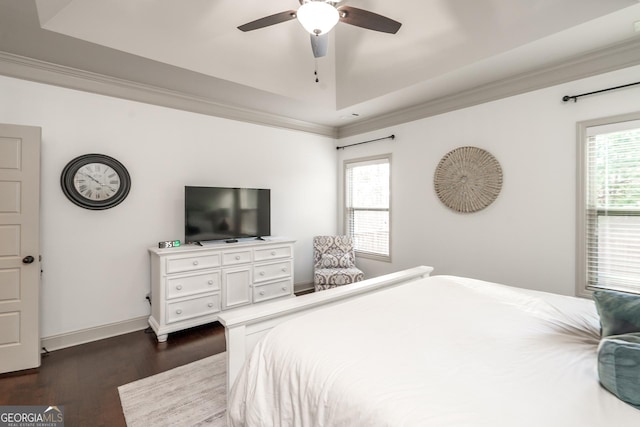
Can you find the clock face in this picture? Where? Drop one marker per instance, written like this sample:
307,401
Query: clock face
95,181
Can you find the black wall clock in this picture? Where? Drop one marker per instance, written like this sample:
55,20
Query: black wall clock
95,181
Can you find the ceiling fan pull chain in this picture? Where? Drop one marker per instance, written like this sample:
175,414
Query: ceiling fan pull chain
315,73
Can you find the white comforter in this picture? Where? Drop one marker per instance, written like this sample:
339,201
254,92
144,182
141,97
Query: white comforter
441,351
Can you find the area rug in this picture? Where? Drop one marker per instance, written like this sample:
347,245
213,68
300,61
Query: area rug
189,395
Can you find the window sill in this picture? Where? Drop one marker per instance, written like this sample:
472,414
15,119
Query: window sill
372,256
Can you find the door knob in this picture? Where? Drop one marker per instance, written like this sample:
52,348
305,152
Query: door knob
28,259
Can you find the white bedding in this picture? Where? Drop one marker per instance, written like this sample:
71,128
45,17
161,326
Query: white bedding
441,351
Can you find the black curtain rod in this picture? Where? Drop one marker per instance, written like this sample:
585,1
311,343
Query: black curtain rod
366,142
575,97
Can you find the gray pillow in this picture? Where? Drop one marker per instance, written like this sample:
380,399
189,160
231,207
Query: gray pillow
619,312
619,366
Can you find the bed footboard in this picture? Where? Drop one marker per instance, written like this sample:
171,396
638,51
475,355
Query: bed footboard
244,327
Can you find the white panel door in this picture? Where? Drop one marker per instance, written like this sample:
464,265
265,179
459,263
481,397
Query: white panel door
19,247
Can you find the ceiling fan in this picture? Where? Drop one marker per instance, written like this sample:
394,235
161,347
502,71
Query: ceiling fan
318,17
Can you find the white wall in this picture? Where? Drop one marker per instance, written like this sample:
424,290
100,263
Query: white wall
526,237
96,266
95,263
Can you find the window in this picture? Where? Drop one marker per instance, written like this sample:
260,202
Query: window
609,204
367,213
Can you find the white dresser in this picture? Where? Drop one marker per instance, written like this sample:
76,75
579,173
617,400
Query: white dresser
191,284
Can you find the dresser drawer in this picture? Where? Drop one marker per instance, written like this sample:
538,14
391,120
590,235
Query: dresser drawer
272,290
191,263
180,286
194,307
232,258
271,271
274,252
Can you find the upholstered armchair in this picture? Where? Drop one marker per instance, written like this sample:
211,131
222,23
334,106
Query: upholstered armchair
334,262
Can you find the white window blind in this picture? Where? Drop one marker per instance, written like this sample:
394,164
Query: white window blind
367,214
612,206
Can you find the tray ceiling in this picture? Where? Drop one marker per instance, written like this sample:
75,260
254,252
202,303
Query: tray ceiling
443,47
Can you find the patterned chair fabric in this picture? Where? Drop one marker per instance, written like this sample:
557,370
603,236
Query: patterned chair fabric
334,262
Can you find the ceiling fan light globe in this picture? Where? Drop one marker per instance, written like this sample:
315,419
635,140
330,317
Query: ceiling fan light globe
318,17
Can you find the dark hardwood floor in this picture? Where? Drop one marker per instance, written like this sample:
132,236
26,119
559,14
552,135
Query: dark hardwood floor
85,378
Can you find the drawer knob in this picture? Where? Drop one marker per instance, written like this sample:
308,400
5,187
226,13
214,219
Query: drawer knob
178,311
210,304
179,287
284,269
284,288
210,282
273,253
237,257
261,292
262,273
195,262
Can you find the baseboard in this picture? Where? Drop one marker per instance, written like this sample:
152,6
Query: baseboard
302,288
70,339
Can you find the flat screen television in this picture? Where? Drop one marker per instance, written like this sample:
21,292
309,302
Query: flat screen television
220,213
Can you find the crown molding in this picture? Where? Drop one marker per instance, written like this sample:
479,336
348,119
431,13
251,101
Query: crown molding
25,68
610,58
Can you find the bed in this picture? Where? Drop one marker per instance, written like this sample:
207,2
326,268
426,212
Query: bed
410,349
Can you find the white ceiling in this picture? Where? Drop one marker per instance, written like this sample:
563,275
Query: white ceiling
443,47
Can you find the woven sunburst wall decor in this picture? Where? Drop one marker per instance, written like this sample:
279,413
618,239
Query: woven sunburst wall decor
468,179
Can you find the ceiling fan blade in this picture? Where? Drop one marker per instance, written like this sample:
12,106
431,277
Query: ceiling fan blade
268,20
369,20
319,44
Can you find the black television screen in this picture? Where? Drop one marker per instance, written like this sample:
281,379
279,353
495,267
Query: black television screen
218,213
